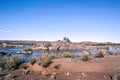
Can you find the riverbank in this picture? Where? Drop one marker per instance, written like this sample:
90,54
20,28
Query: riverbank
106,68
61,45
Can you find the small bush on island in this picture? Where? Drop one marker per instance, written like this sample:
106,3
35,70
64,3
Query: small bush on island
12,62
66,55
85,57
27,51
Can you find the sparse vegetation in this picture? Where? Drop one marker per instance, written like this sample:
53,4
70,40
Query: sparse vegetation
100,54
12,62
33,60
85,57
52,56
45,60
27,51
66,55
113,53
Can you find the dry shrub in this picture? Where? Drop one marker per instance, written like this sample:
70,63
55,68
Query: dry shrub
45,60
12,62
66,55
33,60
100,54
85,57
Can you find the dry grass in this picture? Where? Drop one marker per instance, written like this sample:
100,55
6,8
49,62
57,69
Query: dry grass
66,55
100,54
45,60
85,57
13,62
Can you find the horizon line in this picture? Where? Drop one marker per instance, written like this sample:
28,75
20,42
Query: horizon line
58,40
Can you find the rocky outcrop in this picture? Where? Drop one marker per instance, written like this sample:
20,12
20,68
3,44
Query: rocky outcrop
60,45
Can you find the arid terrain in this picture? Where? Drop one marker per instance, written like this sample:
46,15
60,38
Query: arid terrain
107,68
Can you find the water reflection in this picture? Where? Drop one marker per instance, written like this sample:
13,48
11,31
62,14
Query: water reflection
37,53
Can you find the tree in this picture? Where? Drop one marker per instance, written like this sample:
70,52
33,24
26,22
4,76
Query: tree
66,39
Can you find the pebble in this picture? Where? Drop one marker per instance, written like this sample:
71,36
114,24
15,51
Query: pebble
68,73
53,76
83,74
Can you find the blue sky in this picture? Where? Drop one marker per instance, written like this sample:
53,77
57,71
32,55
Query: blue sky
80,20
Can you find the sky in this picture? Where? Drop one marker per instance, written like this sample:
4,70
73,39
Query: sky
51,20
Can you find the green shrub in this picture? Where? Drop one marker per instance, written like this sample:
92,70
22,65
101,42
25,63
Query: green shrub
18,60
8,63
29,50
66,55
46,63
84,57
45,60
12,62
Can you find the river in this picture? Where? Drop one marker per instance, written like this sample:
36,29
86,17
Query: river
37,53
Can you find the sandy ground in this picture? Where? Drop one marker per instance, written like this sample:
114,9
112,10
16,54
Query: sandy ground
72,69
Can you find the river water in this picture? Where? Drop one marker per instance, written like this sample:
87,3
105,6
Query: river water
37,53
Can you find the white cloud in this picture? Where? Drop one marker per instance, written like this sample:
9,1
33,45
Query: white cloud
6,31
